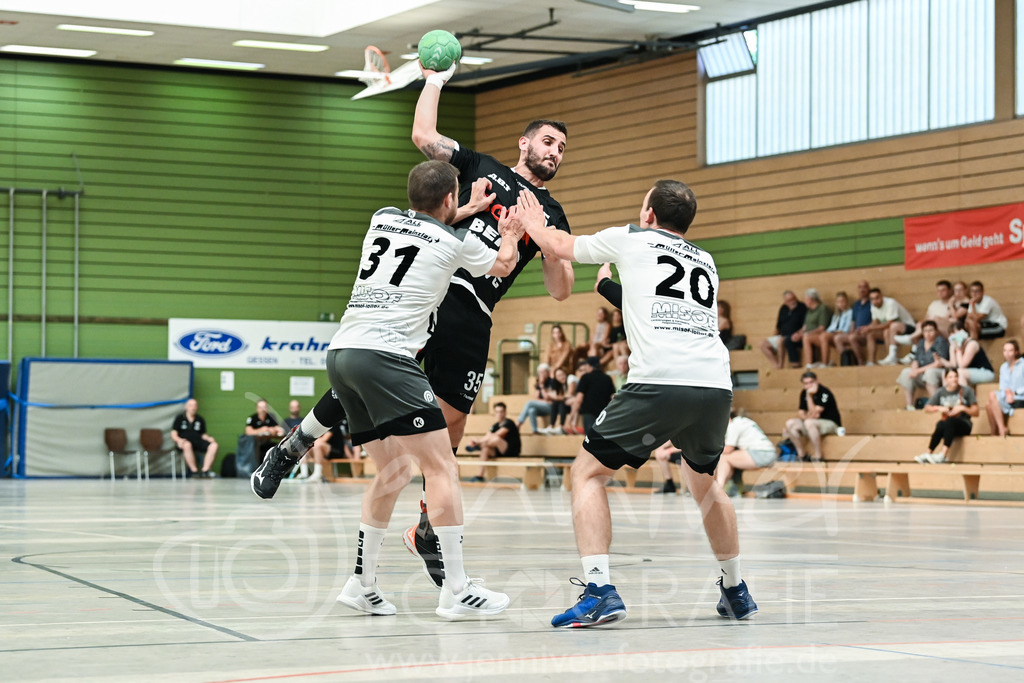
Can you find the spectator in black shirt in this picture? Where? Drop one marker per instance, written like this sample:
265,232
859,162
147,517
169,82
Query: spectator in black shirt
502,441
819,416
189,434
595,390
788,337
264,427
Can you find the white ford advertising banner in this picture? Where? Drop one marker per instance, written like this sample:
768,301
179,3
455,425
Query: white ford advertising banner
280,344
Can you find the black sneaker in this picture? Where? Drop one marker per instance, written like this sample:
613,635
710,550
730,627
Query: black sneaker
267,477
736,602
669,487
422,542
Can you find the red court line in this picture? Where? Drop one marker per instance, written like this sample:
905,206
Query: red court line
471,662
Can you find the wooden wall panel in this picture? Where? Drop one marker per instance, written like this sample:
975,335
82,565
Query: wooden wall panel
630,126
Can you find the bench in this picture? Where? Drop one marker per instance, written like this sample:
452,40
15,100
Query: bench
530,470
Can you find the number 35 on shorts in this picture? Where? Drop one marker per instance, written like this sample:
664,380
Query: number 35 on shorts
473,381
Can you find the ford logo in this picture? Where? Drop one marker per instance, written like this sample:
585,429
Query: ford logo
210,343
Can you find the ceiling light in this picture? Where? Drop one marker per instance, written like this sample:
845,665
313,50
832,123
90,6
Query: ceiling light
105,29
219,64
353,73
660,6
468,61
53,51
270,45
610,4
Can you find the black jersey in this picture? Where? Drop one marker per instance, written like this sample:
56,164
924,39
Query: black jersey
190,430
506,185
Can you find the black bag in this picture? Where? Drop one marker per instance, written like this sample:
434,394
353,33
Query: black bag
227,466
773,489
245,456
921,402
848,358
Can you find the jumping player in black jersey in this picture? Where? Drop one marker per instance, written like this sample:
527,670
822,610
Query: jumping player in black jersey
455,356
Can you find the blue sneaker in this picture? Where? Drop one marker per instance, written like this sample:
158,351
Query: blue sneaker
736,602
599,605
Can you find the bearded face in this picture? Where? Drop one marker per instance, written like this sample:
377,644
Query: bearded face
541,162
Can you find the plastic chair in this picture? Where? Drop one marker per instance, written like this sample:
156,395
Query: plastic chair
117,444
152,441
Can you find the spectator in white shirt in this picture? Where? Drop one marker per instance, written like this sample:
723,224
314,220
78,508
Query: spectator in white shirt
888,319
938,310
746,448
985,319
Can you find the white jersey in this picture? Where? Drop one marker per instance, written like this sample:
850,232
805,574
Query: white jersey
669,288
407,262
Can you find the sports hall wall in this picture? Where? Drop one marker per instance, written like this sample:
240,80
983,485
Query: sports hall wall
823,218
207,195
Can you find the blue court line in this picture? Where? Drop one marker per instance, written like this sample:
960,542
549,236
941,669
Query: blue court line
914,654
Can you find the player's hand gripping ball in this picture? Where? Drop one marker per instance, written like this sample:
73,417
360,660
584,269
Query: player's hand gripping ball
438,50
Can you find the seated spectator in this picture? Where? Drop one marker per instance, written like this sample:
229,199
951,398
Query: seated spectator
333,445
599,342
959,304
620,375
664,454
559,352
538,405
984,319
264,427
295,415
595,390
818,417
957,405
786,341
1001,404
841,323
853,341
572,399
967,356
931,356
502,441
617,345
938,310
816,321
888,318
188,431
746,448
733,342
555,394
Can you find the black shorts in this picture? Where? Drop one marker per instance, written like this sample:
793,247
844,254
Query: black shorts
455,356
991,330
199,447
643,416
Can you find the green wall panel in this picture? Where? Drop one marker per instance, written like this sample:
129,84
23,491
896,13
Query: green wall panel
207,194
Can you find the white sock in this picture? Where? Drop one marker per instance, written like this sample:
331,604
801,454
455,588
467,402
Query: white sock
370,540
304,469
301,440
450,540
318,471
892,350
595,570
730,572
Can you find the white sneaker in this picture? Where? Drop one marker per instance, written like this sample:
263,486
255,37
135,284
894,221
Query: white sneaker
314,479
368,600
889,360
902,339
907,359
910,407
930,458
473,601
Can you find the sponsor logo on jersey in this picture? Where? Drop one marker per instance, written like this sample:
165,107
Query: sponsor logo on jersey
428,396
208,343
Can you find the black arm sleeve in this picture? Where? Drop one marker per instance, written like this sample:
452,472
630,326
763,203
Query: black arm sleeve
611,290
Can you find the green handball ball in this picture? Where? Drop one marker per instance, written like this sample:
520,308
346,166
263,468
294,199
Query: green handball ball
438,49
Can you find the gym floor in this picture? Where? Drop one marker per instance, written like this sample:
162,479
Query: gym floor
200,581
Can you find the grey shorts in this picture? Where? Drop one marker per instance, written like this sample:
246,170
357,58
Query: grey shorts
384,394
643,416
763,458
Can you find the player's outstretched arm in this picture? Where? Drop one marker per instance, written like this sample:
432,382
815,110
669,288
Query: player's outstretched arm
480,200
424,125
558,277
511,229
552,242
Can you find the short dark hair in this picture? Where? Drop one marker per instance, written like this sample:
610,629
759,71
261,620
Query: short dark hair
501,404
947,283
674,205
929,323
535,125
873,290
430,182
1015,345
977,283
808,375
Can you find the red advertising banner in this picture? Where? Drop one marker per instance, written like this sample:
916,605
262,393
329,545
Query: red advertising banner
964,238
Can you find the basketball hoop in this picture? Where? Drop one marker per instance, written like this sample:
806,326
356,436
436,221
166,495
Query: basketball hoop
376,67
